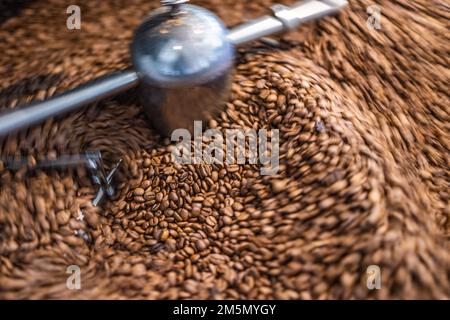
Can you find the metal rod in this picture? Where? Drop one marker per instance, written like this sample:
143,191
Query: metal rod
284,18
101,192
92,91
64,161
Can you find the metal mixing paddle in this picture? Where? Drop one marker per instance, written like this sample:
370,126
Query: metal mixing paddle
183,58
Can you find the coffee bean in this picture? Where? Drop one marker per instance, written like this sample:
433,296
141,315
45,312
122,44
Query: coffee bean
237,206
139,270
211,221
63,217
200,245
189,251
164,235
145,184
227,220
173,196
278,186
196,210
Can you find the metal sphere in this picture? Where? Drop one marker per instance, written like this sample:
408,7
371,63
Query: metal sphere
180,46
184,62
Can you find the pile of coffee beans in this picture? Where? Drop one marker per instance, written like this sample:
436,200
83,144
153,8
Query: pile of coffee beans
363,179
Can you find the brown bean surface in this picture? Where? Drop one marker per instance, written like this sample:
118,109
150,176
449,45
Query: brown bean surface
364,164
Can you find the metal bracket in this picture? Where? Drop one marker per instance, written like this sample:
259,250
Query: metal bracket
92,160
101,192
284,14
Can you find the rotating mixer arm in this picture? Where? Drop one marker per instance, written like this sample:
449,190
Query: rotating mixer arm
284,18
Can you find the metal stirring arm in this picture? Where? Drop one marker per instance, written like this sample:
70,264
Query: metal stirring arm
285,18
71,100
